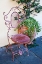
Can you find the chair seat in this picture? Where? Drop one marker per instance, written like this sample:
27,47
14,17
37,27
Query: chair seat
20,39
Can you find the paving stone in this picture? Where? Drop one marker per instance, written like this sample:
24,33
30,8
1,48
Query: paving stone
35,55
31,59
38,49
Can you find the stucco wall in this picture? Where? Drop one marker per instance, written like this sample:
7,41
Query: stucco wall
5,6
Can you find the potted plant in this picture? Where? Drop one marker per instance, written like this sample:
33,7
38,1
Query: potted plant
29,27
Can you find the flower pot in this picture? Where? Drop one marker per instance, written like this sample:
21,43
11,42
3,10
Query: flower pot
22,29
32,37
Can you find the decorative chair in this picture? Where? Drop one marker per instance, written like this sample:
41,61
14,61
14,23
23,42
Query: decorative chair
18,38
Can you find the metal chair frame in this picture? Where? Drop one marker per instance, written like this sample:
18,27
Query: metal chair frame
8,23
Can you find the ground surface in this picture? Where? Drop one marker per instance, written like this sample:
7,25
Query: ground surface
35,55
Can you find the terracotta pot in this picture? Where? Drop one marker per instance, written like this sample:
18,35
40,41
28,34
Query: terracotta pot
33,35
22,29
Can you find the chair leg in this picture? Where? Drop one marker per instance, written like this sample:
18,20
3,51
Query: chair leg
18,45
25,45
6,48
13,56
10,51
27,51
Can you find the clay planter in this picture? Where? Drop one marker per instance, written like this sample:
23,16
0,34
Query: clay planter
22,29
33,35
